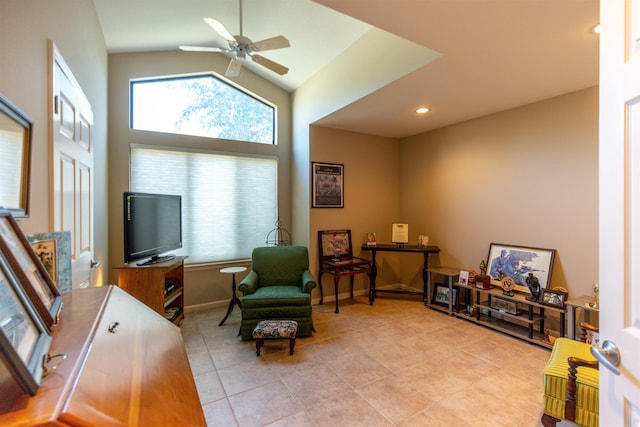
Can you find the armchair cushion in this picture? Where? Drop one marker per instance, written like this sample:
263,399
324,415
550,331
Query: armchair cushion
278,287
555,377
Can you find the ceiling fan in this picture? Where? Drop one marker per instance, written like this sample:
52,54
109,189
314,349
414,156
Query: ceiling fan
241,47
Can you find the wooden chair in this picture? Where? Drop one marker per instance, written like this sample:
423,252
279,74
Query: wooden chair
571,382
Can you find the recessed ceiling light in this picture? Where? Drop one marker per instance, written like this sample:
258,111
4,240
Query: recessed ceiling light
596,29
422,110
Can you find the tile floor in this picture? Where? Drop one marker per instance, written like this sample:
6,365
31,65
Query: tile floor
395,363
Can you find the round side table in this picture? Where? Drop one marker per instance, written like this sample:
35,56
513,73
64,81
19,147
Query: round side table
234,298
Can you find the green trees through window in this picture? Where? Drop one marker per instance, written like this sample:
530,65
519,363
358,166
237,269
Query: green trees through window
202,105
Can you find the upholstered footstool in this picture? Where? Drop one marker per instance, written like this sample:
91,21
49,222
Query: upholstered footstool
275,329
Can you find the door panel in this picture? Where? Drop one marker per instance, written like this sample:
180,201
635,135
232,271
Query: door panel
620,208
72,171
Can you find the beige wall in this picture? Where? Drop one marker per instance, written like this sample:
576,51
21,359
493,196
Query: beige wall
25,28
526,176
203,284
372,200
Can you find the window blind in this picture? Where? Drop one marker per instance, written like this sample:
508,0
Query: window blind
229,201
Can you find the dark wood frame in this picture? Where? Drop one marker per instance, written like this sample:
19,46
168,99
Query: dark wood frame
31,274
12,120
541,268
337,169
546,293
27,370
340,239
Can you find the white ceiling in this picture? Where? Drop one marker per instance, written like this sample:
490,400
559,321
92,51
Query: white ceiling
496,54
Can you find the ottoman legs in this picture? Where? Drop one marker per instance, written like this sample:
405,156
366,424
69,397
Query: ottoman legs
275,329
260,343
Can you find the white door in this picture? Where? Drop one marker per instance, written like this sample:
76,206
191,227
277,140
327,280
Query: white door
72,167
620,209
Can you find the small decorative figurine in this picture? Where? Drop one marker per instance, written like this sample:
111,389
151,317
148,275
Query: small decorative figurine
470,310
483,268
534,287
472,277
507,286
548,338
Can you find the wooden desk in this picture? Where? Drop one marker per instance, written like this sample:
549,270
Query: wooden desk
125,365
425,251
344,267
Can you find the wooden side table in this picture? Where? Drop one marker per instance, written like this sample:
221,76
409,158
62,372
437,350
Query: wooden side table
573,305
346,267
234,298
449,274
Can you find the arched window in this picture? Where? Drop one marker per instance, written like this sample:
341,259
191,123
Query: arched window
201,105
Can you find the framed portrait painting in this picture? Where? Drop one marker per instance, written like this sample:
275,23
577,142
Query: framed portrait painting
518,262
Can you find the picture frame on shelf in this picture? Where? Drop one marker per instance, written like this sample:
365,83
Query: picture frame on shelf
31,274
516,262
463,278
442,295
553,298
24,338
505,306
60,270
47,252
335,244
327,185
399,233
15,158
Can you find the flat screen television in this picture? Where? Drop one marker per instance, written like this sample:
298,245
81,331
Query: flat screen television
152,226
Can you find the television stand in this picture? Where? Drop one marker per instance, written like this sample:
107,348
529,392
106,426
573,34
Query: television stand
159,286
157,260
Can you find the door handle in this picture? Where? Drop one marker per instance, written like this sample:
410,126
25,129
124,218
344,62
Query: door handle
608,355
95,264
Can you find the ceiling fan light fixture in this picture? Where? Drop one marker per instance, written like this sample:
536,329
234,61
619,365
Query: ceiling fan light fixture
422,110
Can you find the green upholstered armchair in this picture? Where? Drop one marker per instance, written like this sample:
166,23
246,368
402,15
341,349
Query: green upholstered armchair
277,287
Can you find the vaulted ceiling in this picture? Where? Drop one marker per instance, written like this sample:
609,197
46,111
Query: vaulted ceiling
493,54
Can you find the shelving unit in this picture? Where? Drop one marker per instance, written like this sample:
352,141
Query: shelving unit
159,286
528,324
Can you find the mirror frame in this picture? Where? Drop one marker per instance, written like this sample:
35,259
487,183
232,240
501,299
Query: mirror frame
11,112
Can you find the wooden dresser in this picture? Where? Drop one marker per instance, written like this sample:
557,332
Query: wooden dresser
126,366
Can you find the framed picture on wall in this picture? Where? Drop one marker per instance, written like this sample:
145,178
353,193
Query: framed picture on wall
327,185
15,158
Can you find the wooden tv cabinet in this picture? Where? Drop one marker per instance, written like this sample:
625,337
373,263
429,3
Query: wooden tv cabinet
147,284
125,366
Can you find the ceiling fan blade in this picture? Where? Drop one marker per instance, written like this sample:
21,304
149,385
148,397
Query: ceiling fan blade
200,49
233,70
277,42
273,66
220,29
